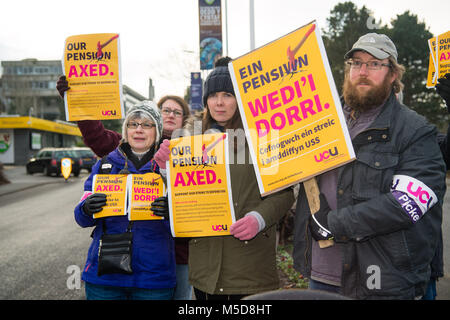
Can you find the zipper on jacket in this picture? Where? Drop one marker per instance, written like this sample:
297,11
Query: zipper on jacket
99,247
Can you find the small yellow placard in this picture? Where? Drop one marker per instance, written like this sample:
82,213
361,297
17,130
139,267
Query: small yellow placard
439,63
91,64
115,188
143,190
200,200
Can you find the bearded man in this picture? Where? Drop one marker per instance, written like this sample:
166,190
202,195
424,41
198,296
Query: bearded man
383,210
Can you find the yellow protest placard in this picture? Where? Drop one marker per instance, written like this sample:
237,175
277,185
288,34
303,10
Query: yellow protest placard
91,64
143,190
291,110
200,201
115,187
432,76
439,63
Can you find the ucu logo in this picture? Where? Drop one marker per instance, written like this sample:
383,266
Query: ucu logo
326,154
109,112
413,195
219,227
422,195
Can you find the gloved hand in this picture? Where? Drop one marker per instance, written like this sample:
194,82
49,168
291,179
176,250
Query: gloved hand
62,85
163,154
245,228
160,207
94,203
318,222
443,89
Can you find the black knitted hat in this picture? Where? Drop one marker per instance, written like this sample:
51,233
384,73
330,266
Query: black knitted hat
218,80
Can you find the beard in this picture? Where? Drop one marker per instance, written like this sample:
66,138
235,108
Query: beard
368,99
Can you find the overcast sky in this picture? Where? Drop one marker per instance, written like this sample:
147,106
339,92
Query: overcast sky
160,38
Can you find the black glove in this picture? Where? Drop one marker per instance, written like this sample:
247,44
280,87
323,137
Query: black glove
94,203
160,207
62,85
318,222
443,89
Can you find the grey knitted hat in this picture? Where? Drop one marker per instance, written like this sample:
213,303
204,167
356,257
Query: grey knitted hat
218,80
149,109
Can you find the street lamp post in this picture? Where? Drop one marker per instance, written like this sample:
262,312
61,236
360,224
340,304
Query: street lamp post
252,24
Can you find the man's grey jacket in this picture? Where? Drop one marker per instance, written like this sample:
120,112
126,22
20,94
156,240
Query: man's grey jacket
379,237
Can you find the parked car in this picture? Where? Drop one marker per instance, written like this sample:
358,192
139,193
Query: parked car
87,156
48,161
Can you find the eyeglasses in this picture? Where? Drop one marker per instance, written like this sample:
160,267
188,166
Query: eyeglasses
371,65
176,113
144,125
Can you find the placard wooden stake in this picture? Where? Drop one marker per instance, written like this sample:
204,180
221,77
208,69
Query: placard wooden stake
312,194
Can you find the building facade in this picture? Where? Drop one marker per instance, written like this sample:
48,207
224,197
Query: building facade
32,112
28,88
22,137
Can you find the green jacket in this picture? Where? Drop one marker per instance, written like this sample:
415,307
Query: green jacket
227,265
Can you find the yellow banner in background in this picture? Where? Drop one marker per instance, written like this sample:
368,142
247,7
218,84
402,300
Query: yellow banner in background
431,80
200,200
115,187
439,63
91,64
143,190
291,110
39,124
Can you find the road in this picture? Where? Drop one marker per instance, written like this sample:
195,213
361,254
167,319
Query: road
40,241
42,249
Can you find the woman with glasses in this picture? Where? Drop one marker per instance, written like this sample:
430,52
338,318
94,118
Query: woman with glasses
244,263
102,141
153,273
175,112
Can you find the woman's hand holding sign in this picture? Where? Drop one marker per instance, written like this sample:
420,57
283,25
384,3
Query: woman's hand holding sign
245,228
62,85
163,154
94,203
160,207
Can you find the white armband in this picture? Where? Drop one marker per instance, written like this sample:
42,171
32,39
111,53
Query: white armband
415,197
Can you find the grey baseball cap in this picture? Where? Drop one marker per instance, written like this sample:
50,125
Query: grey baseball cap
378,45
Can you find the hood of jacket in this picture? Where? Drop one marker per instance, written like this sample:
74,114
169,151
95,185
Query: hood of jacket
193,124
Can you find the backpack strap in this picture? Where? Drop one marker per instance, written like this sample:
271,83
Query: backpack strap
130,225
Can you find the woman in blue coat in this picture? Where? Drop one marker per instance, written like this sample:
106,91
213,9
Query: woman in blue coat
153,259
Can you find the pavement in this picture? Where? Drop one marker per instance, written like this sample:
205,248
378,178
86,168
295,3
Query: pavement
20,180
